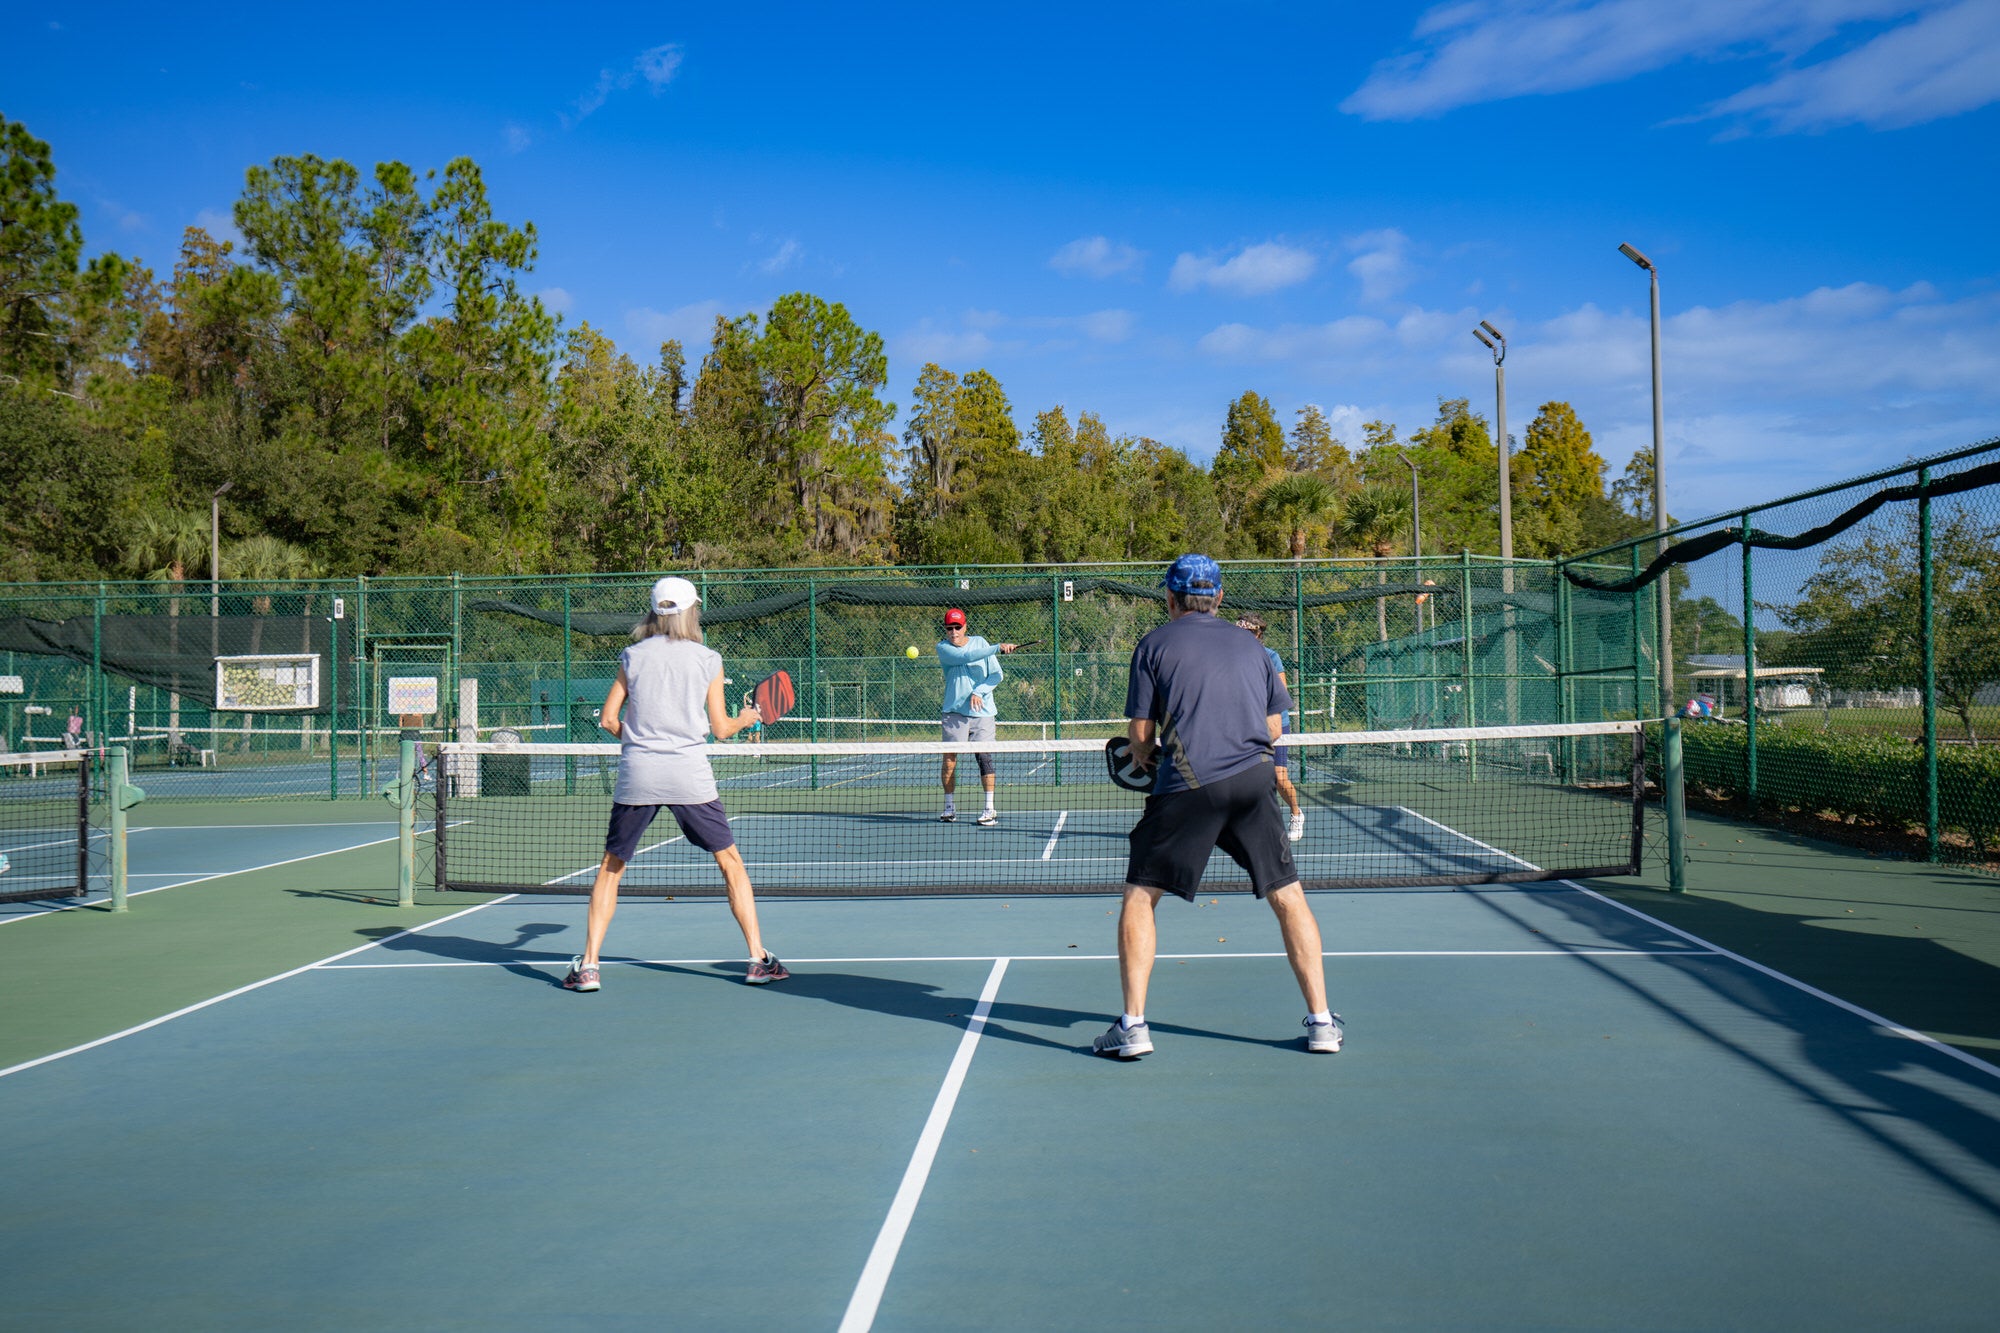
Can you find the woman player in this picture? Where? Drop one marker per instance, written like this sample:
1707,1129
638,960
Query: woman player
670,692
1253,622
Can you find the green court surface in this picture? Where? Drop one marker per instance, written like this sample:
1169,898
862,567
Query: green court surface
1560,1106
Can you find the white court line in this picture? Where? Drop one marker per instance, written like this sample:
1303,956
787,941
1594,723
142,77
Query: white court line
867,1296
1050,850
1064,957
241,990
331,823
1866,1015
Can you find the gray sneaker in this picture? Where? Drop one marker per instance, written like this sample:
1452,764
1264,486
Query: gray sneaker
1324,1038
1123,1043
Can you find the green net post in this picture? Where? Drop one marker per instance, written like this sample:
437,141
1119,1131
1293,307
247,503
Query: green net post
569,701
1673,793
1749,673
1928,633
812,675
123,797
402,793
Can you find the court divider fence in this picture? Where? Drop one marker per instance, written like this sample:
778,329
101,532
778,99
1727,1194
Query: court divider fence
1837,655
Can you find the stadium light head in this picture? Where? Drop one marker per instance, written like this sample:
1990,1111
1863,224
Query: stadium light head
1483,338
1636,257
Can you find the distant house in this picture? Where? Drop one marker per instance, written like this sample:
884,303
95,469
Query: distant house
1778,687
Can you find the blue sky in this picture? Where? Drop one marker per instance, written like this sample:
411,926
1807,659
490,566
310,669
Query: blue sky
1143,210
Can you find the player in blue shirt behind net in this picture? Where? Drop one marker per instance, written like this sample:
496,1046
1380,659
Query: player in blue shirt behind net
971,670
1280,760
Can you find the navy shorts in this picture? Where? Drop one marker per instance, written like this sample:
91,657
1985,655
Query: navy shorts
705,825
1173,838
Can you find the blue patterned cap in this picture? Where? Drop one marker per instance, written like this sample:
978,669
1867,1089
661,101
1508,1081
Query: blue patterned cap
1194,574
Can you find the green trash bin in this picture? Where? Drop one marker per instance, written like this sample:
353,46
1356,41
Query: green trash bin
504,774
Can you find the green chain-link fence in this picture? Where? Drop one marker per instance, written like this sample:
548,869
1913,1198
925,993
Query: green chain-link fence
1839,652
1444,641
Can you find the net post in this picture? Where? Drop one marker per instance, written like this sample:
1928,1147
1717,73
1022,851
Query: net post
1673,792
123,796
1749,675
569,699
440,871
1928,636
1638,849
402,793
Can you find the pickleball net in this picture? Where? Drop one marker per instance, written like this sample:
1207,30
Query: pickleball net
1382,810
47,838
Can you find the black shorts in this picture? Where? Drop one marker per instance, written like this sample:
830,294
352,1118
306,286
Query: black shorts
1173,838
705,825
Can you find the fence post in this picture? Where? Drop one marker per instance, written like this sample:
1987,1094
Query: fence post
1673,794
568,703
332,706
1749,673
1928,632
1638,642
812,674
96,707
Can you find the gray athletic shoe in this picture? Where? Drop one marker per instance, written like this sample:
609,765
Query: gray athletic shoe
1123,1043
1324,1038
987,819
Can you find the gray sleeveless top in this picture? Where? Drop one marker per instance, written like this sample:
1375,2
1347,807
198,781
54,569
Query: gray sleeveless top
666,723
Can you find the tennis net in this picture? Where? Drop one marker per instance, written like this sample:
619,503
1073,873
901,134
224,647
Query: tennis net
1382,810
45,825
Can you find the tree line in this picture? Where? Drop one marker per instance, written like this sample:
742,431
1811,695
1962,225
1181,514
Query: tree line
368,369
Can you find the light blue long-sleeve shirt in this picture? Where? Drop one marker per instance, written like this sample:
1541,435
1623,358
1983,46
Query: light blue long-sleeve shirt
973,669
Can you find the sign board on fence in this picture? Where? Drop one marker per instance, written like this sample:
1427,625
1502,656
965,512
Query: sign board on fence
267,682
12,685
413,695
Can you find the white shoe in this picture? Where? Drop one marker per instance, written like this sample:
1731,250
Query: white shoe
1298,829
988,818
948,817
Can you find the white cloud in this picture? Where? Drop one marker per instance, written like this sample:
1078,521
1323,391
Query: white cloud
659,65
786,255
929,342
1382,264
557,299
1254,271
1095,257
1946,62
1107,326
693,324
517,139
656,65
219,223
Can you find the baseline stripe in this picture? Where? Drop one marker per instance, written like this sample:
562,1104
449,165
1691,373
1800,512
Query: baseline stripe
867,1296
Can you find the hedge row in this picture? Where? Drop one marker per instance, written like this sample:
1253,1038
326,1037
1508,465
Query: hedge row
1877,780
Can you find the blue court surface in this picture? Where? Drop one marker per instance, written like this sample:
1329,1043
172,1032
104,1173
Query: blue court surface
1552,1112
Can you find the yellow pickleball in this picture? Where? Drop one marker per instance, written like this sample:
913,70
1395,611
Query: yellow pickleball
910,651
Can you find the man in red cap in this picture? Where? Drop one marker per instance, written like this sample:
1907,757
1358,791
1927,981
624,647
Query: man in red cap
971,670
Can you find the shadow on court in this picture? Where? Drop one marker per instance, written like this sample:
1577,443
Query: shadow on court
1889,1090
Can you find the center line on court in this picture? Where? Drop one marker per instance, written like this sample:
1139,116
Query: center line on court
875,1274
1049,850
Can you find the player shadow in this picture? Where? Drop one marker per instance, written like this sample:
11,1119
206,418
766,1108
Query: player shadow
515,956
930,1003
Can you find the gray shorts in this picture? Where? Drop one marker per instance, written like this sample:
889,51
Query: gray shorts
968,727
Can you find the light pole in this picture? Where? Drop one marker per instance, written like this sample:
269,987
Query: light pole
1416,529
1664,594
215,548
1497,344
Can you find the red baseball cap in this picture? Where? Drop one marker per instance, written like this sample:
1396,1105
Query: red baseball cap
954,617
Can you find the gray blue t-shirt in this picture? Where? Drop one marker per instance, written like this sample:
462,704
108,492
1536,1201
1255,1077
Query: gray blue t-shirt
1209,686
1277,665
660,761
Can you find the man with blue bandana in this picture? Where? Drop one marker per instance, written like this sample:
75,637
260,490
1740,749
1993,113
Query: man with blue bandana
1204,708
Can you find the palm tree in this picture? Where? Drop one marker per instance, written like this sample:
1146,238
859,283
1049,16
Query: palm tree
264,557
163,547
1372,519
1294,501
